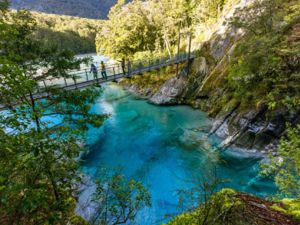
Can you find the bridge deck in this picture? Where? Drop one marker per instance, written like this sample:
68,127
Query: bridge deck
84,80
114,77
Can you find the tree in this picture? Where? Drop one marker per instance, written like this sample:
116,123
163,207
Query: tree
129,30
118,199
259,17
285,167
38,165
77,34
153,26
222,208
206,204
208,11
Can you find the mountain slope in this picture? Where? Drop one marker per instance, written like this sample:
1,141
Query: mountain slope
67,32
97,9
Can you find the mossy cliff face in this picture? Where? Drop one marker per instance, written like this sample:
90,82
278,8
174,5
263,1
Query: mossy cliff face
147,84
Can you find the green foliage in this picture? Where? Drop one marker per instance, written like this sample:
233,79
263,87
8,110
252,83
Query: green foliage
153,25
81,8
128,30
119,199
208,11
262,68
4,5
66,32
289,207
149,81
37,175
38,165
286,166
38,156
261,17
222,208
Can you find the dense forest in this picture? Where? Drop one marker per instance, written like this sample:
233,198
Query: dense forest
146,27
77,34
82,8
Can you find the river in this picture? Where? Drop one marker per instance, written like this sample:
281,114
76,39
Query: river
165,148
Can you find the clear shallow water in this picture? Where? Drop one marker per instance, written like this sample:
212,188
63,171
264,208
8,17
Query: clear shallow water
165,148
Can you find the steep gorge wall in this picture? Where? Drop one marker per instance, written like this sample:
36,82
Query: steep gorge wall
207,84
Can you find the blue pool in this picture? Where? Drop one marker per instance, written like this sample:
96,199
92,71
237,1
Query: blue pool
167,149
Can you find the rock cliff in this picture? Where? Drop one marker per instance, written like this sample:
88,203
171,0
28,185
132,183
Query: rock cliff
251,127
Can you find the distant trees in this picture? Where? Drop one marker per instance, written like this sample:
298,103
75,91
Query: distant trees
66,32
81,8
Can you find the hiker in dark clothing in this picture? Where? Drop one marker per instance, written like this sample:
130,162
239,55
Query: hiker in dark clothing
129,67
94,71
103,70
123,65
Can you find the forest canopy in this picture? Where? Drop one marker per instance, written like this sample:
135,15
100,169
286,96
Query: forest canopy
67,32
153,26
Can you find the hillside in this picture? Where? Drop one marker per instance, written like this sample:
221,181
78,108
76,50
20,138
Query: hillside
81,8
67,32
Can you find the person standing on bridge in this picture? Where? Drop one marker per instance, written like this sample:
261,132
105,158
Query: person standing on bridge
129,67
103,70
123,65
94,71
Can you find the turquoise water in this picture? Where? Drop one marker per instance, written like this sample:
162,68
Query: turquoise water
167,149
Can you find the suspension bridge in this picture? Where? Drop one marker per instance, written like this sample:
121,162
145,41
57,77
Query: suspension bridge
84,78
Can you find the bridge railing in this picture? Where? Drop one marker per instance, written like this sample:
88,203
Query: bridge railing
139,66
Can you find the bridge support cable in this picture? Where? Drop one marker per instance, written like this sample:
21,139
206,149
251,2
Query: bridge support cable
178,52
86,75
184,56
189,53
